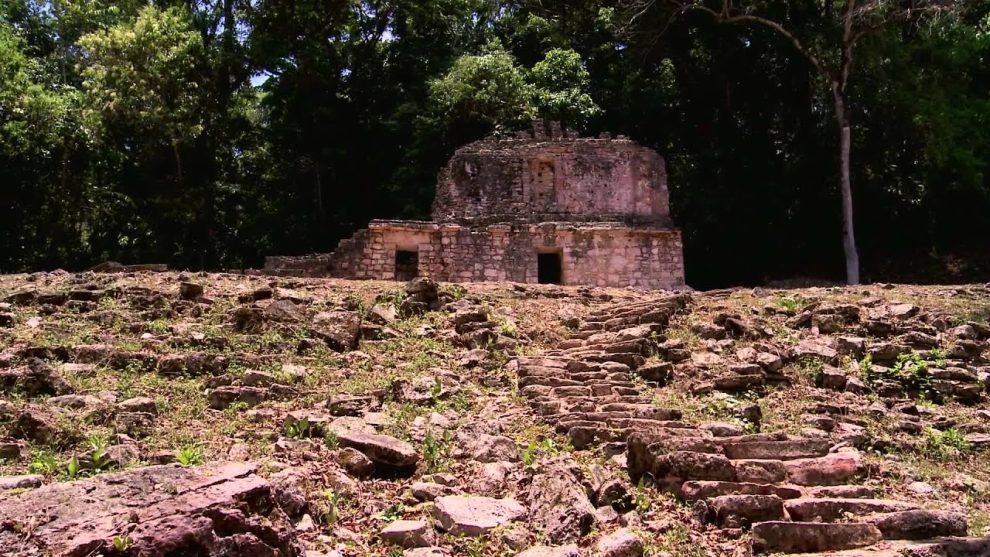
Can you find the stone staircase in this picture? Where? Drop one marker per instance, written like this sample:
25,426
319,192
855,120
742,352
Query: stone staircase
795,495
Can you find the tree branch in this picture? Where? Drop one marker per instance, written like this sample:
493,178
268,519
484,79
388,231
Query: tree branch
724,17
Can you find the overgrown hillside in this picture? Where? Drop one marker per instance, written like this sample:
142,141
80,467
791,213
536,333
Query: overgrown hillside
212,414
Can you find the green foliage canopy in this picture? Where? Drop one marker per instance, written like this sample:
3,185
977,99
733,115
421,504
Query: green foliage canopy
208,134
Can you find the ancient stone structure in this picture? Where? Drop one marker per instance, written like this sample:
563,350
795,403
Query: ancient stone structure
545,206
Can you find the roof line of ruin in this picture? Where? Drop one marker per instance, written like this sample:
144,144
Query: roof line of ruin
509,224
549,130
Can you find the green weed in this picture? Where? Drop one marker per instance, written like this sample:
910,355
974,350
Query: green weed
328,509
297,429
98,454
43,462
790,304
159,327
943,445
979,523
73,469
436,452
122,543
456,291
910,370
190,455
534,450
330,440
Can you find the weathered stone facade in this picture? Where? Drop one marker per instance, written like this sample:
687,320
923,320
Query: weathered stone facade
537,208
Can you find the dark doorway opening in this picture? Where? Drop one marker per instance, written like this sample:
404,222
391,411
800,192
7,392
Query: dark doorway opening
548,268
406,264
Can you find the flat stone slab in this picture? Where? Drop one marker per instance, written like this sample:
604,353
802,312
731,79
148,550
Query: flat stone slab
621,543
549,551
381,449
21,482
950,547
220,509
920,524
806,537
829,510
407,533
834,469
777,450
694,490
736,511
471,515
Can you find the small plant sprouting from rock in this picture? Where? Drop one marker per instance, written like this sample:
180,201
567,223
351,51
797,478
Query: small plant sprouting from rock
534,449
979,523
435,452
297,429
937,356
811,371
356,303
392,297
72,469
98,456
866,368
642,498
392,513
43,462
677,541
910,370
456,291
330,440
190,455
159,327
436,392
329,506
943,445
122,543
789,304
236,407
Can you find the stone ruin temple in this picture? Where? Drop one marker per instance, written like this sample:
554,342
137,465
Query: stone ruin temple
545,206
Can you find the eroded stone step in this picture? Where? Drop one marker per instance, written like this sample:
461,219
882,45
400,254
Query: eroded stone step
868,552
738,511
812,537
590,404
777,450
695,490
651,415
673,469
842,492
834,469
573,387
831,510
548,381
920,524
588,434
756,470
583,437
949,547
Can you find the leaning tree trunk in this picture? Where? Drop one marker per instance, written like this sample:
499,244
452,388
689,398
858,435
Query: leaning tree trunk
845,190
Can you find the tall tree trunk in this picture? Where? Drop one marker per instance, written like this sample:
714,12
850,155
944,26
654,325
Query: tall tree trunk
845,189
178,161
319,191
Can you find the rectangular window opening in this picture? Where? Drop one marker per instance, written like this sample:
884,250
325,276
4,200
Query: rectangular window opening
406,265
548,268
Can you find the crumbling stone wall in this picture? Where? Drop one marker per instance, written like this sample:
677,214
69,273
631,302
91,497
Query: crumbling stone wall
313,265
602,254
553,180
